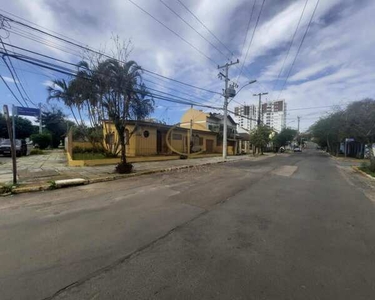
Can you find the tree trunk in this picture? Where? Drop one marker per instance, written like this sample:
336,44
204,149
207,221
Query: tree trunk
372,159
122,143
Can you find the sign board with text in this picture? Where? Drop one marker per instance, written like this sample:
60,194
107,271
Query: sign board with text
27,111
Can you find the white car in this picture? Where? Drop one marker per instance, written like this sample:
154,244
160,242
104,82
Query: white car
297,149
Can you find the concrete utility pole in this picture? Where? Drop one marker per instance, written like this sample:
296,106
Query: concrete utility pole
40,119
12,142
226,95
298,119
260,104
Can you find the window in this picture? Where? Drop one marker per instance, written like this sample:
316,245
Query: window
200,141
177,137
146,133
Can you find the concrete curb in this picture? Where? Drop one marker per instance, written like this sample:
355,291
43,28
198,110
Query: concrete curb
356,169
80,181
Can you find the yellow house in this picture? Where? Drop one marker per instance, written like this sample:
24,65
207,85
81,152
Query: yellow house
212,122
149,138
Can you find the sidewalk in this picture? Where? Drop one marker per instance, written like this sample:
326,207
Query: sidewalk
43,171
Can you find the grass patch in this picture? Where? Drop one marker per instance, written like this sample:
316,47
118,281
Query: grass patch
88,156
5,189
37,152
366,168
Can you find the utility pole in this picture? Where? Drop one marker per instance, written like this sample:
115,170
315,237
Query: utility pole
40,119
226,95
260,104
190,139
12,143
14,113
298,119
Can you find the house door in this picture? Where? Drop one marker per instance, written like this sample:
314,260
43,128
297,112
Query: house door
158,142
209,146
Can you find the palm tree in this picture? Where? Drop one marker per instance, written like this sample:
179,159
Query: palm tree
124,95
62,91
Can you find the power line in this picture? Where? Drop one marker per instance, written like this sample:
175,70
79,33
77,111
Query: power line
183,20
290,46
299,48
180,82
69,72
14,80
314,107
95,51
17,77
174,32
183,5
248,27
6,84
252,37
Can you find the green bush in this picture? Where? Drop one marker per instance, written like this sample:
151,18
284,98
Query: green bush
42,140
36,152
78,149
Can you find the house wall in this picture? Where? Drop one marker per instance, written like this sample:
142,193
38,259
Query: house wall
199,119
140,145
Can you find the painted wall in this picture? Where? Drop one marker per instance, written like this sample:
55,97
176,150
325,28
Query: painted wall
199,119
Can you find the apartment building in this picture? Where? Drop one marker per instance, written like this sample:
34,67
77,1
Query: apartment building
246,116
273,114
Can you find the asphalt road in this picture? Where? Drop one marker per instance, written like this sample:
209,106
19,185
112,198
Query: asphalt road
288,227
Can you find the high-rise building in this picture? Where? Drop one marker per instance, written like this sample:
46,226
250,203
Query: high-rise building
246,116
274,114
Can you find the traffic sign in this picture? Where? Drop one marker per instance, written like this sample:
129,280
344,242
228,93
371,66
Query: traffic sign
27,111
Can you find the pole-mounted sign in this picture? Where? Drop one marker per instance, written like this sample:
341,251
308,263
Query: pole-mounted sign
31,112
27,111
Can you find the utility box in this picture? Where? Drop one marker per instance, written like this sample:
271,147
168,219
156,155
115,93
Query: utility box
231,92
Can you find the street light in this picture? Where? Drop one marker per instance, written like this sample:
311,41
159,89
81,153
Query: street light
251,82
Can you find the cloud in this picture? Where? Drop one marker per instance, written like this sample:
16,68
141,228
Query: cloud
336,61
10,80
47,83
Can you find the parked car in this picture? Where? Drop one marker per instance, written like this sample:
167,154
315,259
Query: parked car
297,149
21,147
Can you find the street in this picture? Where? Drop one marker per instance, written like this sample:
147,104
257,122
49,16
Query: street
293,226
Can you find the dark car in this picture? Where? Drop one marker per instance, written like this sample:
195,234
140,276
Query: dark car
21,148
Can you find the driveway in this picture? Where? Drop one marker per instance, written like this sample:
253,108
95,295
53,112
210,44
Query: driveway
288,227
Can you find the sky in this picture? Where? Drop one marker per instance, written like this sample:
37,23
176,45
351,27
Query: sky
335,64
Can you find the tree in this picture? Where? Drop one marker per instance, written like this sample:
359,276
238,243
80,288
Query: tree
55,122
42,140
260,137
106,89
284,136
24,128
357,121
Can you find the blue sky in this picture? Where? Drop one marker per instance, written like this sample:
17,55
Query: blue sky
335,65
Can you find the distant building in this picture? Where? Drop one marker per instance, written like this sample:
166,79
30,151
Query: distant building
274,114
246,116
212,122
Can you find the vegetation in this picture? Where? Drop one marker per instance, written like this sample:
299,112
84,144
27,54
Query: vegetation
88,156
42,140
55,122
106,89
367,169
284,136
356,121
260,137
37,152
24,127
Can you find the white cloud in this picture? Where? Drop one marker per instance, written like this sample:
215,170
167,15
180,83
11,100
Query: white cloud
9,79
336,60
